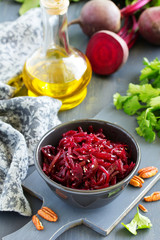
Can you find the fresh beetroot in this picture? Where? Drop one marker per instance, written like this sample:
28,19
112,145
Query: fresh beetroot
149,25
107,52
99,15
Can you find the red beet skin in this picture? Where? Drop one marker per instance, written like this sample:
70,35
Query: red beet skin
149,25
107,52
99,15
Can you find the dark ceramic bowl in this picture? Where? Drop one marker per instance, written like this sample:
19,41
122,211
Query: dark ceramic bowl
88,198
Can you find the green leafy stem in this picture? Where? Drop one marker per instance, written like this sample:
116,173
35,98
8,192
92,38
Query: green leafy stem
28,4
143,100
138,222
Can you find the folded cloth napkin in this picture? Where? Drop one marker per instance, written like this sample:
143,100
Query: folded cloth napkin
23,120
18,40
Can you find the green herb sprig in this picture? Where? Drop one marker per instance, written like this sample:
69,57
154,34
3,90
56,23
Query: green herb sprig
138,222
143,100
28,4
153,3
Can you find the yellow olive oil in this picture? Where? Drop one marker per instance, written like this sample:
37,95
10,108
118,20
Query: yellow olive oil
59,75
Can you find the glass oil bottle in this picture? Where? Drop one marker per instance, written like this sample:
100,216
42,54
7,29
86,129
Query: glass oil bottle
57,69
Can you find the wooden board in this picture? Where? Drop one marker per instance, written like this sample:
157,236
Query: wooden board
101,220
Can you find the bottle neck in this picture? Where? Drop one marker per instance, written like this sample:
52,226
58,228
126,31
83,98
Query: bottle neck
55,29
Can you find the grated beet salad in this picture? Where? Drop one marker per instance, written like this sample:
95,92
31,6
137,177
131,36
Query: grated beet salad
86,160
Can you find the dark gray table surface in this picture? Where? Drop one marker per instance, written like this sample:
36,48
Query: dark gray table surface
100,94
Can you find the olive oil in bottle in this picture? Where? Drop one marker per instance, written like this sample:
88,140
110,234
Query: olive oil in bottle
57,69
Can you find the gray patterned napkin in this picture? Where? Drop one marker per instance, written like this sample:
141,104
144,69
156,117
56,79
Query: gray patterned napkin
23,120
18,40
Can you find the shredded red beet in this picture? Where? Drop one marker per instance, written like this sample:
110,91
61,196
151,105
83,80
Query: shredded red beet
86,160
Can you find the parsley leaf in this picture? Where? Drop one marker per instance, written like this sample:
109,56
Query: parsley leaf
146,122
152,3
155,102
28,4
151,70
157,126
143,100
138,222
145,92
119,100
132,105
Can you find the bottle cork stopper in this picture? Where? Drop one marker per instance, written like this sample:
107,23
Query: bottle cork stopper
55,7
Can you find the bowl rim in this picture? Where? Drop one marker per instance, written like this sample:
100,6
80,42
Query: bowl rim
80,191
